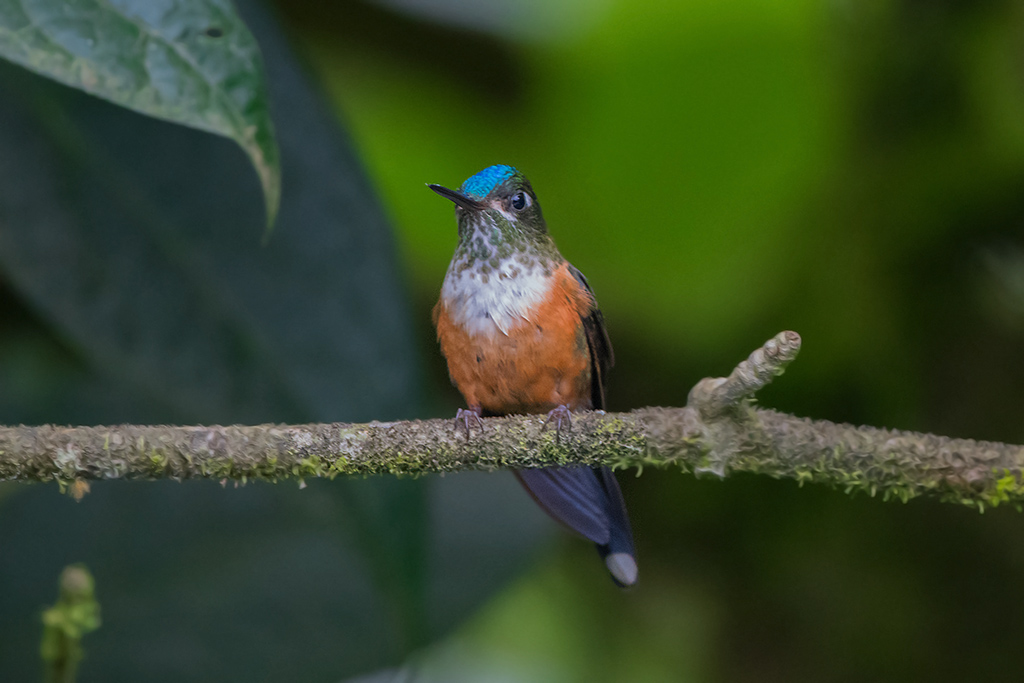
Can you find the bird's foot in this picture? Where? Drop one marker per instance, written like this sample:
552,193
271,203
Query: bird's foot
466,416
561,415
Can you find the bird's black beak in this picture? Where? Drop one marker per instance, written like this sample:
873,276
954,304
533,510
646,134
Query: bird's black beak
457,197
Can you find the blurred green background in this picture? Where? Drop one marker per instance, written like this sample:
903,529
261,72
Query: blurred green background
721,172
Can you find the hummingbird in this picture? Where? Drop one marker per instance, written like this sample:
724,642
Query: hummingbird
522,334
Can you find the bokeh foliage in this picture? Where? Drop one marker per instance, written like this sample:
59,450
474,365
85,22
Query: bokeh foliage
721,171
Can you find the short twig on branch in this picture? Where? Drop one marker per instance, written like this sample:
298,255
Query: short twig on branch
718,431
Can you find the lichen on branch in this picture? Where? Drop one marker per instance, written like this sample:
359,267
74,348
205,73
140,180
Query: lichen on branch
718,431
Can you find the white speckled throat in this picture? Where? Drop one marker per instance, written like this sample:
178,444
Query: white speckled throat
487,294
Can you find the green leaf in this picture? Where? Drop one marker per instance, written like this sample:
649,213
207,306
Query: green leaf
192,62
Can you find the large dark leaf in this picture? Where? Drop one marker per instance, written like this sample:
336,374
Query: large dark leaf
133,244
192,62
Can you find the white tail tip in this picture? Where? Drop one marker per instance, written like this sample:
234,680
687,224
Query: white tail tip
622,567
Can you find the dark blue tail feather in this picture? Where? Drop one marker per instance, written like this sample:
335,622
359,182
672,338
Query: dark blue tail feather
589,502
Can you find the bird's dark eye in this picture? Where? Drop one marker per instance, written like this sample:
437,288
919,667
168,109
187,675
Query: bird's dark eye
519,201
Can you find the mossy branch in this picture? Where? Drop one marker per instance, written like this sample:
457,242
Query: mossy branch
719,431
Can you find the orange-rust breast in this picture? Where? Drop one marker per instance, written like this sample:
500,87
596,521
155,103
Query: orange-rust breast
540,362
